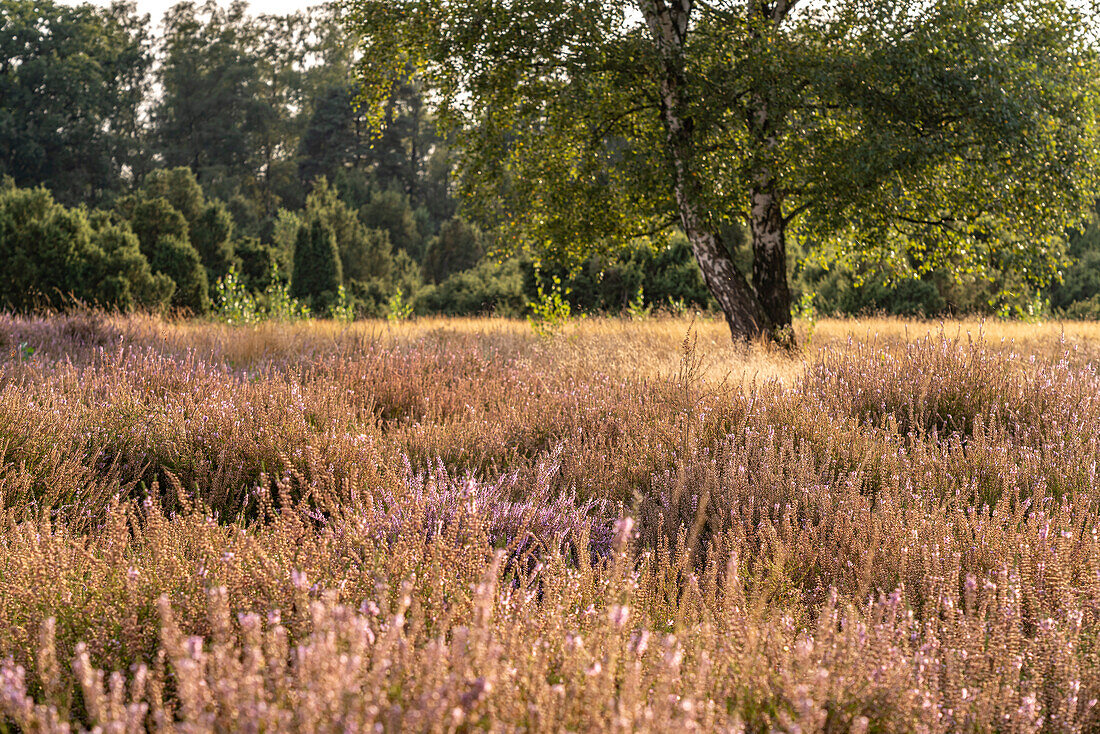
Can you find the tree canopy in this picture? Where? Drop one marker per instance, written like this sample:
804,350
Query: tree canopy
72,80
956,134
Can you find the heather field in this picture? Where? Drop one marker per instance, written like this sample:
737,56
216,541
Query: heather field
458,525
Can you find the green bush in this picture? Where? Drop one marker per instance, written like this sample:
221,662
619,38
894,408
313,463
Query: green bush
664,273
838,291
1084,310
257,263
489,287
392,212
1079,291
177,259
212,237
51,256
153,219
179,187
364,253
122,278
232,302
458,247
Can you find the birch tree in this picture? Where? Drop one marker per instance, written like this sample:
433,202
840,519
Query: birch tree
939,133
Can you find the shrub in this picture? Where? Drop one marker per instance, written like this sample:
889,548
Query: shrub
153,219
214,528
177,259
364,253
232,302
50,255
664,272
458,247
391,212
488,288
550,312
257,262
212,238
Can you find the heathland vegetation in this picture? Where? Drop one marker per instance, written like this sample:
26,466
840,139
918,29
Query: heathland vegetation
234,497
458,525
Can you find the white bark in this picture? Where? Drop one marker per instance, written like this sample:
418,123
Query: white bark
668,21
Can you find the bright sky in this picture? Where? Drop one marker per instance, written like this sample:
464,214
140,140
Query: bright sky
156,8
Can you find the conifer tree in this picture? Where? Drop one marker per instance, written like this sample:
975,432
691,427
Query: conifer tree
317,276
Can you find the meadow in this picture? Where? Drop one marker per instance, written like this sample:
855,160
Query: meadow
459,525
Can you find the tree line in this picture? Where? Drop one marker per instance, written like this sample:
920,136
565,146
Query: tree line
145,161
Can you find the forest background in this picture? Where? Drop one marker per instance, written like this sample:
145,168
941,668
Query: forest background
214,161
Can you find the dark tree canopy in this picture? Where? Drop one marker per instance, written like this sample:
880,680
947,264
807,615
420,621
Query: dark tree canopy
72,81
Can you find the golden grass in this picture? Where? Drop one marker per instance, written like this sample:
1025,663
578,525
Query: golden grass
626,348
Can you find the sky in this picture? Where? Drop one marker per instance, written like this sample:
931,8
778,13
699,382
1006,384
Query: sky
156,8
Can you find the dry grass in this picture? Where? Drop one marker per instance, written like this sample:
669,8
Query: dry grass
454,525
622,347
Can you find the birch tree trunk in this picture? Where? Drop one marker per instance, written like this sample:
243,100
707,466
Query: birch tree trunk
766,222
769,258
747,319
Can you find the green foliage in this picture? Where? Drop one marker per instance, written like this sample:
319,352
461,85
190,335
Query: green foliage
316,277
488,288
342,309
72,83
285,232
176,258
212,112
179,187
209,223
211,236
664,272
236,304
1078,292
51,256
637,308
846,291
807,312
278,303
1084,310
165,241
335,135
123,279
364,253
953,135
458,246
551,310
153,219
398,308
257,262
233,303
390,211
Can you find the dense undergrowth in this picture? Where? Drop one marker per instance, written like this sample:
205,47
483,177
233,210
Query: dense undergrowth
460,531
